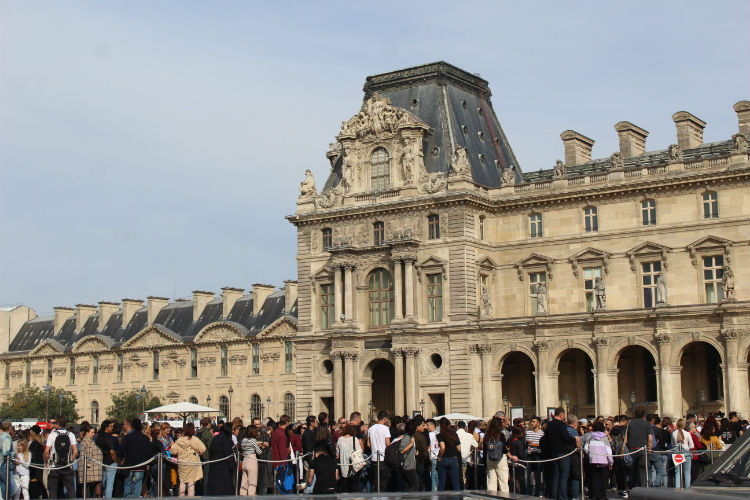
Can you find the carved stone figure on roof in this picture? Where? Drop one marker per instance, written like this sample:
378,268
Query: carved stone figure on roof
485,311
560,170
616,161
377,117
739,143
541,298
347,179
307,186
432,183
601,294
407,165
661,289
674,152
727,283
509,175
329,198
460,162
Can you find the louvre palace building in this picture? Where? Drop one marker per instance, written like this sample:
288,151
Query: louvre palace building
435,275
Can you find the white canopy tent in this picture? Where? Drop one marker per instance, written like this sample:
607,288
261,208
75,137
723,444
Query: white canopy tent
459,416
183,409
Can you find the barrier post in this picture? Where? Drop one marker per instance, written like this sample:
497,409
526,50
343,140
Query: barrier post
237,475
711,451
85,471
682,479
378,472
514,476
476,471
159,473
7,477
580,452
645,451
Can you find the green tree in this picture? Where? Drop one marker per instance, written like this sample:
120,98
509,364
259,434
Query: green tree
31,402
128,404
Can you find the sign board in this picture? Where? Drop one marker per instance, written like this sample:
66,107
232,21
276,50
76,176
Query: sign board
550,412
516,412
678,458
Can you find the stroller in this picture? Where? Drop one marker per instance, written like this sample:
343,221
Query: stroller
286,482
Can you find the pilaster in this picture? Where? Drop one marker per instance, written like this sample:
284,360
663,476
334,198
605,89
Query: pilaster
351,368
737,393
398,363
669,378
411,354
338,383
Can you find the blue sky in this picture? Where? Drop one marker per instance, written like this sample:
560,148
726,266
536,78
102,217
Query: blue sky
154,148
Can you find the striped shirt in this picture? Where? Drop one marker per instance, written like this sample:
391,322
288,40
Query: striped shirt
250,447
534,437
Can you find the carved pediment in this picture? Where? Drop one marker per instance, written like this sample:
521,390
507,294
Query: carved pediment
378,119
430,265
710,243
222,331
648,249
534,261
486,264
48,347
589,255
92,343
152,336
281,328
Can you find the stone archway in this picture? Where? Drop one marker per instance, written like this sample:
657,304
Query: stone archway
636,380
576,382
702,378
383,383
519,384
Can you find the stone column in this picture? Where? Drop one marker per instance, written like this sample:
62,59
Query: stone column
409,278
350,387
338,383
337,294
736,394
488,389
606,380
670,397
397,290
546,379
349,291
411,382
398,362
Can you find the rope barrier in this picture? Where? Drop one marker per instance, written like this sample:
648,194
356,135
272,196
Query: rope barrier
122,467
548,459
43,467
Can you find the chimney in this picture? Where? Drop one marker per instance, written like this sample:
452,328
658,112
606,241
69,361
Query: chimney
106,310
689,130
577,148
83,312
62,314
129,307
155,304
200,299
260,294
742,109
290,294
632,139
229,296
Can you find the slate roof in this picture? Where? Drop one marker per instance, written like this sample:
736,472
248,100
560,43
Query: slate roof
176,316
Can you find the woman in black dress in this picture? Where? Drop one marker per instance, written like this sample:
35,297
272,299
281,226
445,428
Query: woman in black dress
221,474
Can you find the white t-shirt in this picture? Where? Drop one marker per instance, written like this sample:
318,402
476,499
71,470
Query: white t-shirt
53,435
434,445
377,434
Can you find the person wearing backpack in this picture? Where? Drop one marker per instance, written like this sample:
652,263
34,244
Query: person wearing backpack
599,452
495,451
61,450
349,452
408,451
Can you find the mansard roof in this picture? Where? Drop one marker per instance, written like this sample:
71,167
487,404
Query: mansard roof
175,318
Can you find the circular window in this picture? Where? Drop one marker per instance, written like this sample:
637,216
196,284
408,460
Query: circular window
463,104
328,366
435,151
436,360
414,103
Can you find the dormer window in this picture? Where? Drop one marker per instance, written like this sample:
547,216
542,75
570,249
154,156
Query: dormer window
380,175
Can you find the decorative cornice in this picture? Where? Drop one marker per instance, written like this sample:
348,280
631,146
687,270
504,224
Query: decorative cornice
37,371
269,357
733,335
207,360
238,359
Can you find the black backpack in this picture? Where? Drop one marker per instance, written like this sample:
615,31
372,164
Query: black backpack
393,457
495,449
62,448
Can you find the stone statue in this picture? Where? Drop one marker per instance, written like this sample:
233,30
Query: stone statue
601,294
727,283
739,143
509,176
616,161
674,152
661,289
307,186
485,311
559,169
460,162
541,298
407,165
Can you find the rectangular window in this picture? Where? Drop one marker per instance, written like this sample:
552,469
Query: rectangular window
710,205
288,363
481,227
193,363
535,220
648,212
378,230
591,219
119,367
327,238
155,375
72,370
435,297
713,272
28,373
256,359
49,371
95,369
433,227
326,306
7,374
589,281
649,274
535,279
224,367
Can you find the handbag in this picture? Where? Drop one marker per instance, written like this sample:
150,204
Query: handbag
356,459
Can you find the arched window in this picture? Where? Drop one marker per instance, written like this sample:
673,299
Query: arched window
378,231
289,406
224,406
256,407
94,412
380,297
380,169
193,400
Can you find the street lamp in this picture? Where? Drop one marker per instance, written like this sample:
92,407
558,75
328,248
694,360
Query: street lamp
370,405
60,397
566,400
137,402
46,404
230,391
143,396
268,405
703,402
505,406
262,409
309,407
632,402
421,405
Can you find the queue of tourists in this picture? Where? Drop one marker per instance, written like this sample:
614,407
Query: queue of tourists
535,456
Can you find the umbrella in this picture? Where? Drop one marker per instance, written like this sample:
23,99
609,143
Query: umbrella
459,416
183,409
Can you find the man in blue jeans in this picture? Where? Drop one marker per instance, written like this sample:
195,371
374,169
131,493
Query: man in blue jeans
6,452
106,443
135,451
557,443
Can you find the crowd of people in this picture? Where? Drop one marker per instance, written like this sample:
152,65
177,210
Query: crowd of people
535,456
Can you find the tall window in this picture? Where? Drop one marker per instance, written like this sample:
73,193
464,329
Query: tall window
7,374
649,274
590,219
380,297
224,368
535,279
72,370
119,367
193,363
256,359
94,412
289,406
288,358
481,227
95,370
49,371
378,230
256,408
381,169
713,272
535,222
433,227
435,297
648,212
155,375
28,373
224,406
710,205
327,238
589,281
326,306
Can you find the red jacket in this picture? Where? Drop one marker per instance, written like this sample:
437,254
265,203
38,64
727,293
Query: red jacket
279,446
